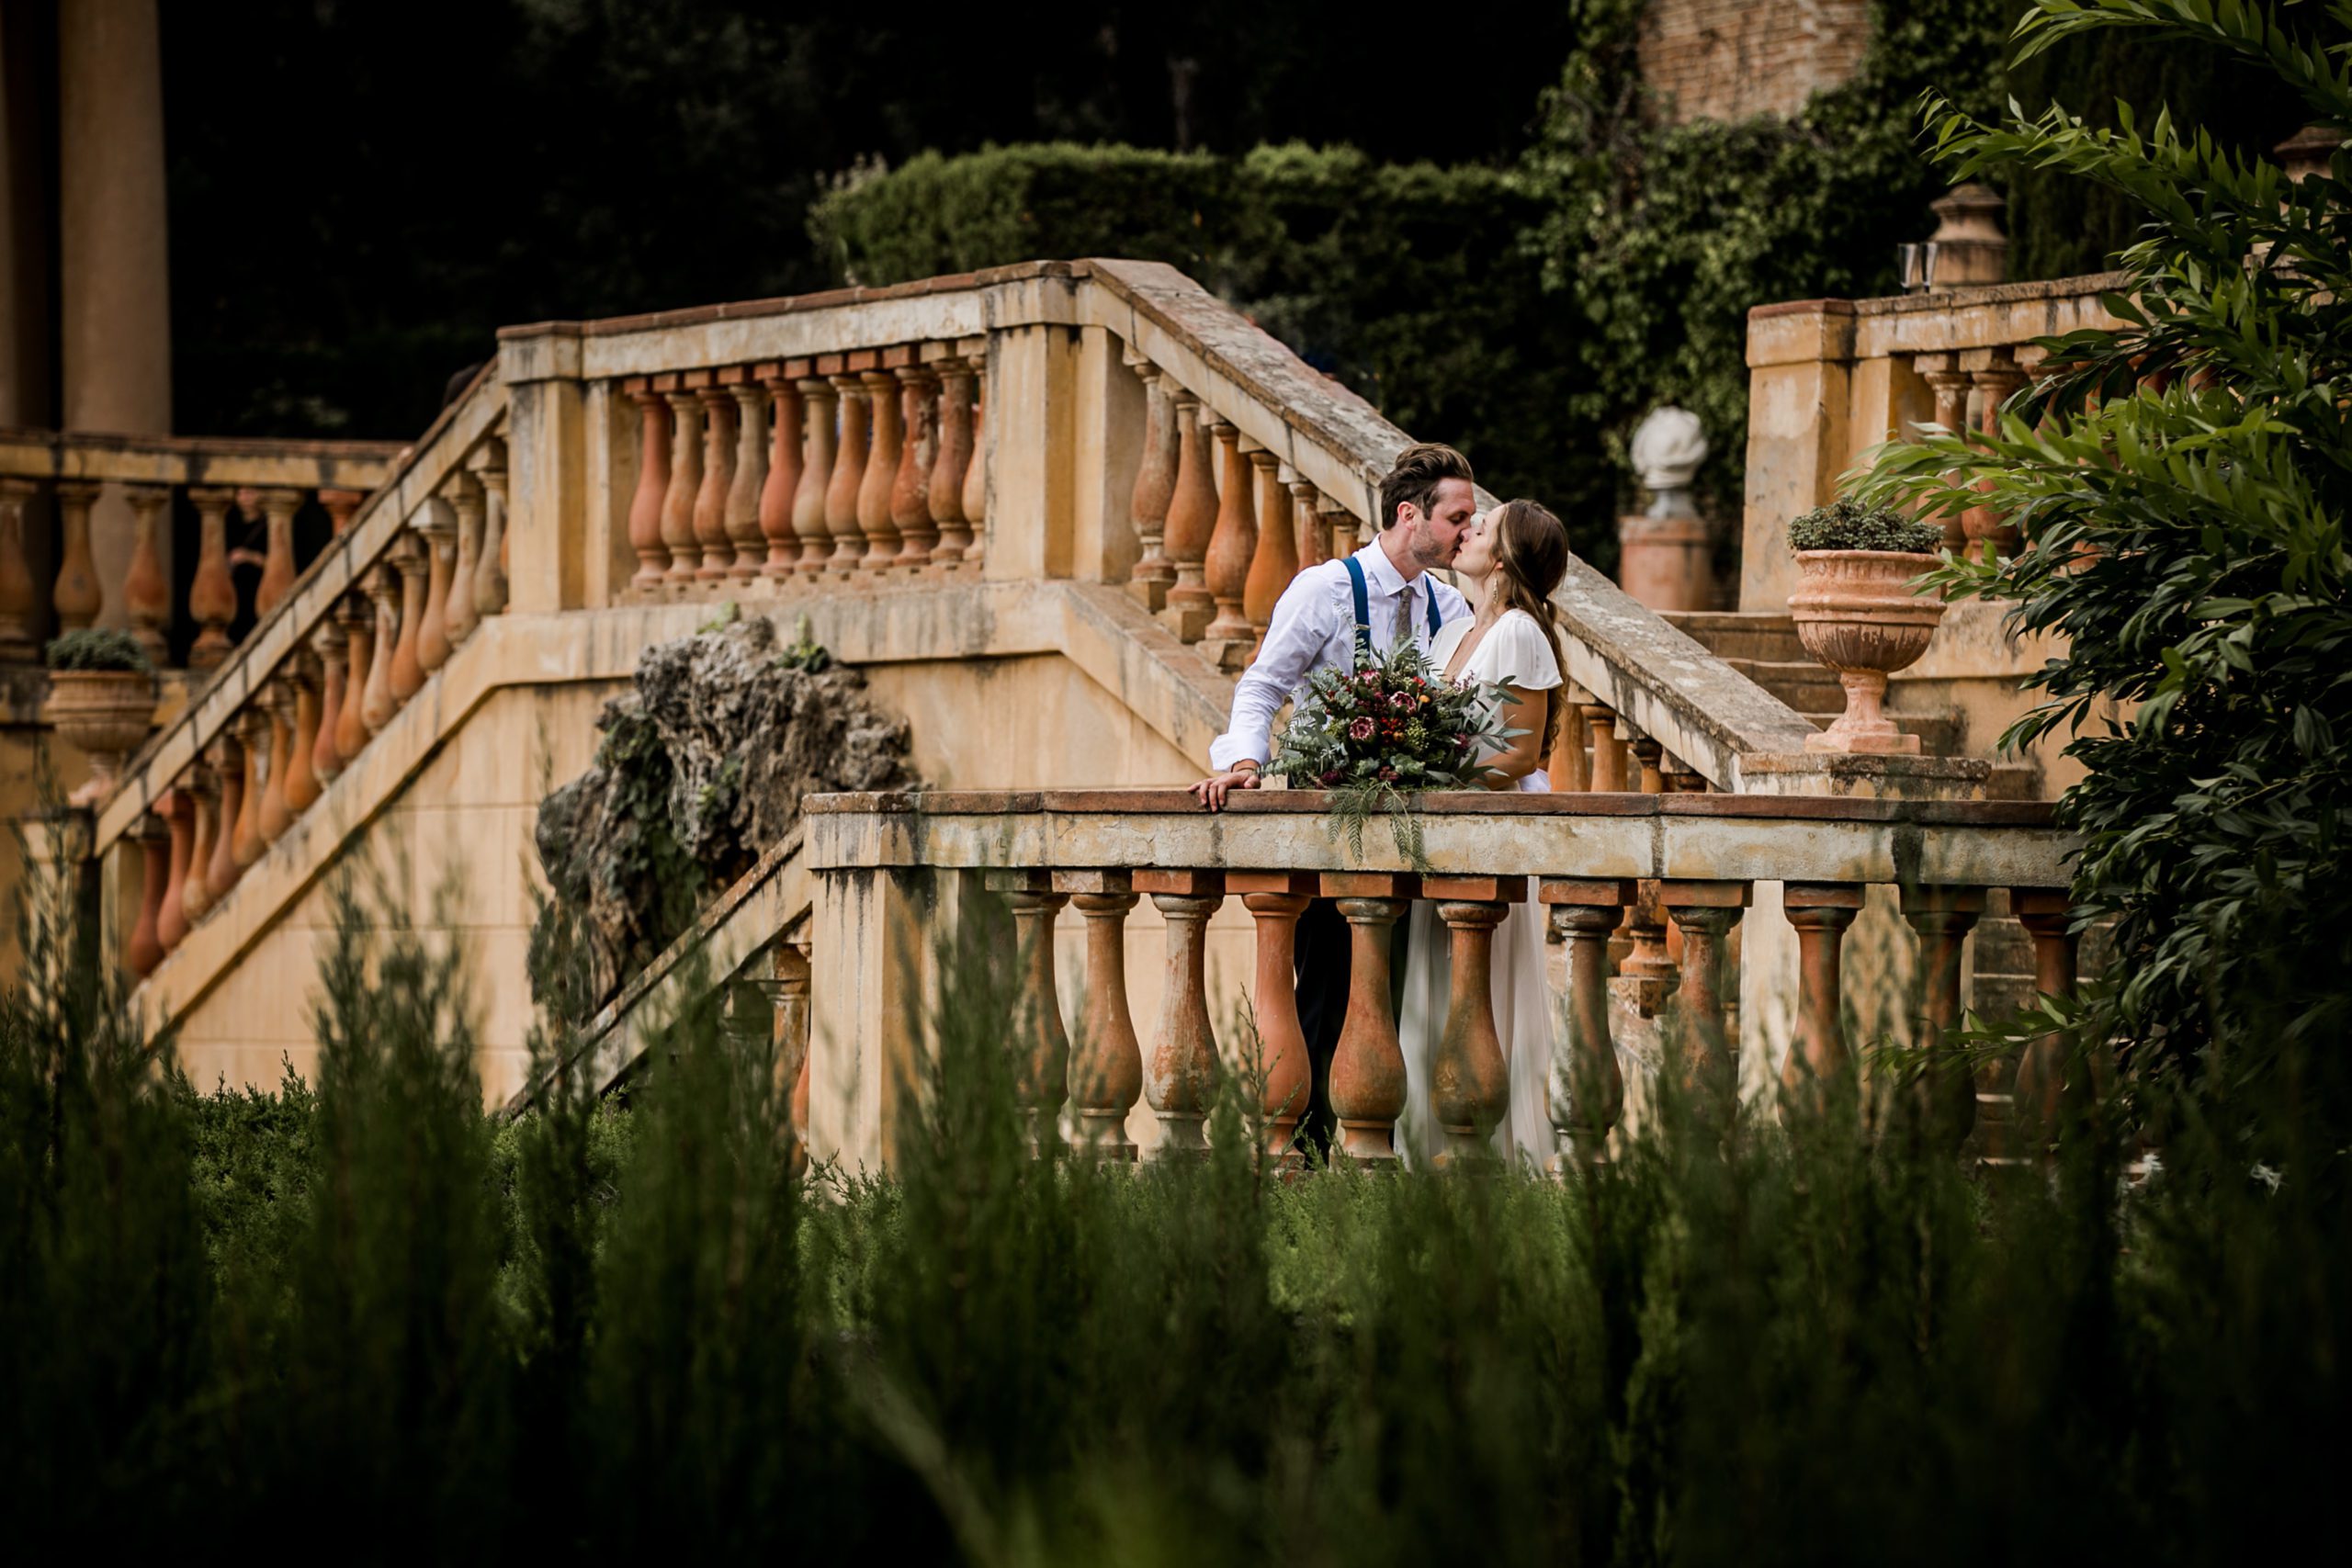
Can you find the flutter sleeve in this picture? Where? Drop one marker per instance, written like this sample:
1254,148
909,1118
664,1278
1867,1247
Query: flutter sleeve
1522,654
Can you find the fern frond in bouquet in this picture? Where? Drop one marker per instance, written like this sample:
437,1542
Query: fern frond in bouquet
1381,734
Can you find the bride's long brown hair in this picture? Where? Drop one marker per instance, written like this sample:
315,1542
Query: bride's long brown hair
1531,550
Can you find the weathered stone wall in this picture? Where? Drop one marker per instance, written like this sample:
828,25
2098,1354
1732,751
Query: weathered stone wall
1734,58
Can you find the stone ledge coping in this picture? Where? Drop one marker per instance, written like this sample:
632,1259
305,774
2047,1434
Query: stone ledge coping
1443,803
196,459
1908,843
2090,283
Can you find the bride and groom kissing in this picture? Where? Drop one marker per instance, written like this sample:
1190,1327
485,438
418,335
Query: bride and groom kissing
1510,559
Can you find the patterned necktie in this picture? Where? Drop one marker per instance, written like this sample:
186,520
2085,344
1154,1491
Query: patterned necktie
1402,632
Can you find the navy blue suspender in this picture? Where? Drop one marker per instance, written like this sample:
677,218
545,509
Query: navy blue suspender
1364,606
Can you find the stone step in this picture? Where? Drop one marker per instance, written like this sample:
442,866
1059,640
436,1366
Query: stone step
1803,684
1731,634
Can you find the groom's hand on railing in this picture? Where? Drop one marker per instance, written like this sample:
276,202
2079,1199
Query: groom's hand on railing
1212,790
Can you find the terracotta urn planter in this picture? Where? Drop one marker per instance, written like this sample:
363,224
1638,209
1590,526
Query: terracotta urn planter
1855,612
107,713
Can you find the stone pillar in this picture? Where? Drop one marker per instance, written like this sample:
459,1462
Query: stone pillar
849,476
1192,519
887,451
1469,1081
786,449
1180,1076
1818,1054
1106,1076
114,322
1275,899
1227,639
1155,485
1799,388
678,498
816,547
748,485
1946,1091
1368,1064
918,455
1587,1088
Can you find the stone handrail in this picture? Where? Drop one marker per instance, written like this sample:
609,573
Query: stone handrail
884,864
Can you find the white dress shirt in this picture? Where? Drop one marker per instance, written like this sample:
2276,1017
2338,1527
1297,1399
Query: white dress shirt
1314,628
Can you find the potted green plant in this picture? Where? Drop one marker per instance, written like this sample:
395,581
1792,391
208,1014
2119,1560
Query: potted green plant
102,698
1856,611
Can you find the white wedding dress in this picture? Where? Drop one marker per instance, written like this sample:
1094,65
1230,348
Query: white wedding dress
1516,652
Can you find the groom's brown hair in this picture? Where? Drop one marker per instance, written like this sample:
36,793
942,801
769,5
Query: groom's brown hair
1419,469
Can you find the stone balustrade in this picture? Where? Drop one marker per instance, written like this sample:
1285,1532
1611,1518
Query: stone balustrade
888,867
225,502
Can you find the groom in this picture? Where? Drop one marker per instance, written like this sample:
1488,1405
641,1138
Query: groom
1365,601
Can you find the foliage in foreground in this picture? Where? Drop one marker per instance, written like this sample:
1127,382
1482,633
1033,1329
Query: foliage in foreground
2182,483
599,1331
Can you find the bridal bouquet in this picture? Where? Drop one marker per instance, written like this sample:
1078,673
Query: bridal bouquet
1379,734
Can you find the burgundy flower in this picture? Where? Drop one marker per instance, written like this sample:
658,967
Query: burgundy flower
1400,699
1331,778
1388,775
1362,729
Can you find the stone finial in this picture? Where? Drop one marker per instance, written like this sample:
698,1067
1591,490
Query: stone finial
2307,152
1968,246
1669,445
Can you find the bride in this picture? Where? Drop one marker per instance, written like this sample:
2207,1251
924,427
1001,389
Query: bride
1512,561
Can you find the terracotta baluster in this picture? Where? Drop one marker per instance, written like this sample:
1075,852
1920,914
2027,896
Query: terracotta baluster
646,503
143,950
355,618
1950,389
2042,1088
75,595
1154,573
1106,1073
146,592
212,593
1588,1091
782,481
19,596
203,791
1275,899
340,504
463,493
1192,522
1231,546
954,463
1704,912
1946,1090
223,869
1651,755
436,530
976,480
679,499
301,779
749,477
808,500
1347,535
918,455
277,812
1608,757
1569,765
253,724
1313,540
490,573
407,674
888,450
1368,1065
1275,560
849,477
714,534
1992,387
178,811
277,573
327,646
1818,1056
380,702
1469,1080
1180,1076
1041,1055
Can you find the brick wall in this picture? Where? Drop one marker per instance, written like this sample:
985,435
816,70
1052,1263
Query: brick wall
1732,59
